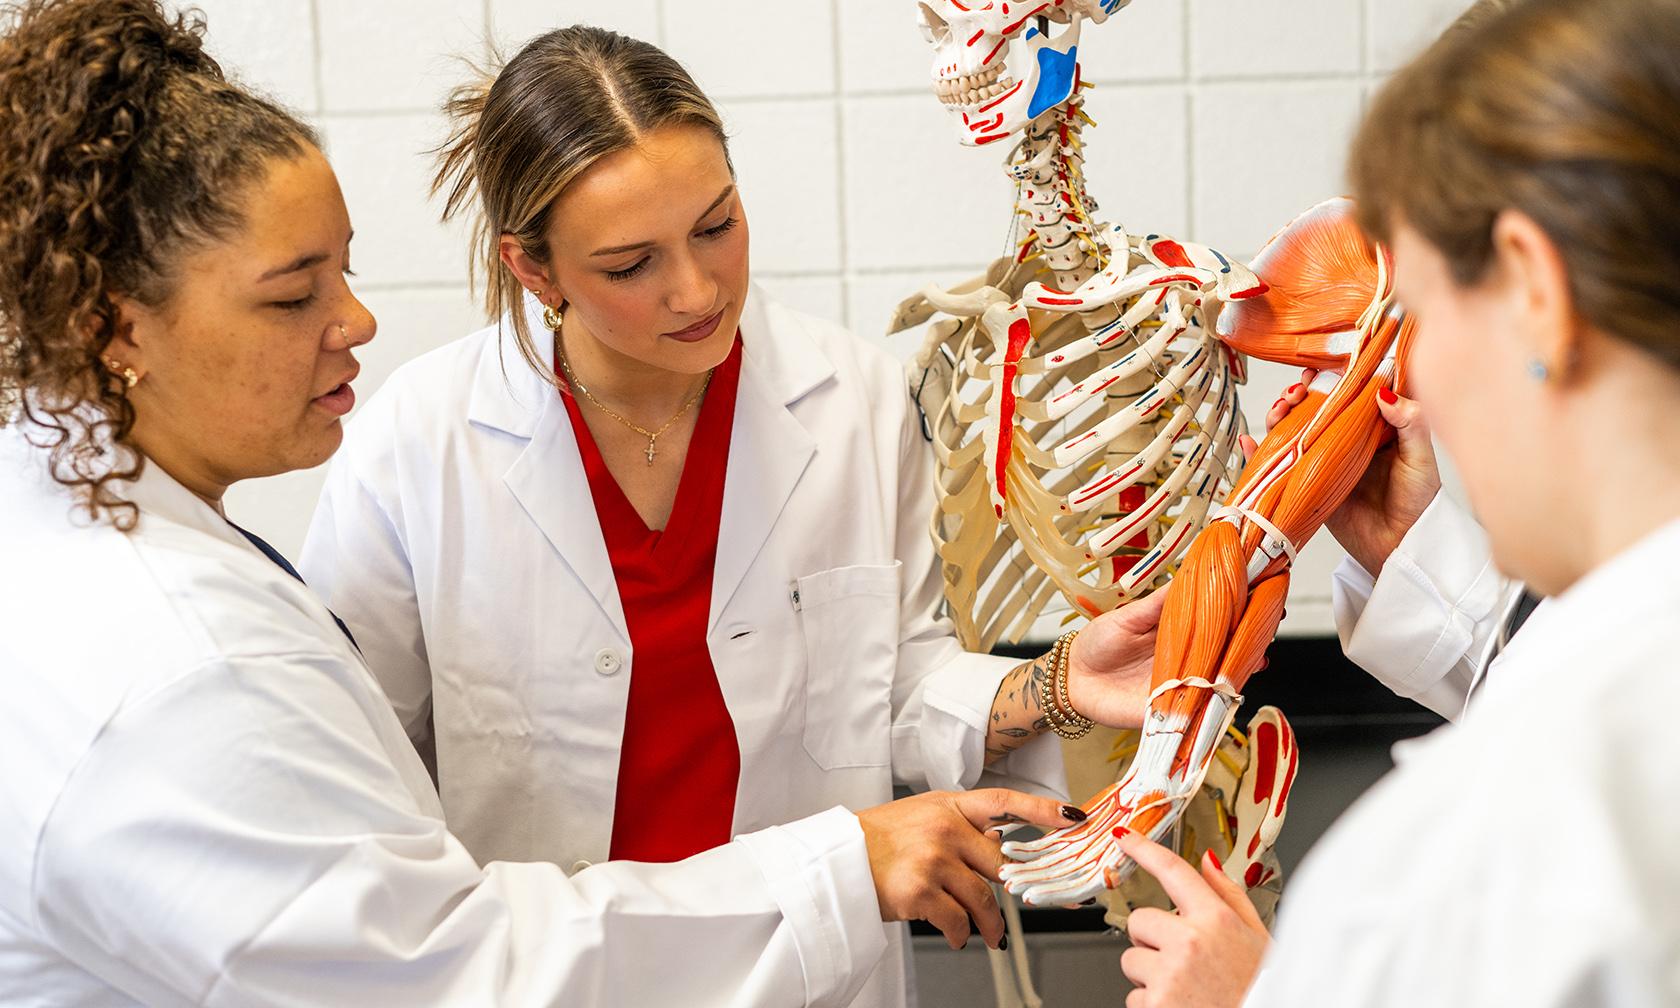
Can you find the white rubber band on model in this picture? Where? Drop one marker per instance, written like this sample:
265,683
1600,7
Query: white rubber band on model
1224,689
1274,544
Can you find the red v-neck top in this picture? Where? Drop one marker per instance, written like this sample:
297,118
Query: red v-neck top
680,762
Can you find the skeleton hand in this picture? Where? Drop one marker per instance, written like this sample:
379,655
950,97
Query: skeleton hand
1398,486
1108,671
1204,955
1078,862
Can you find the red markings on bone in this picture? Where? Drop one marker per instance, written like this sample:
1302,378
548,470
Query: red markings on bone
1171,253
1000,99
1288,780
1020,334
1266,751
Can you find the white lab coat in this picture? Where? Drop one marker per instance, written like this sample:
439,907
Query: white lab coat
458,539
1425,627
206,800
1524,855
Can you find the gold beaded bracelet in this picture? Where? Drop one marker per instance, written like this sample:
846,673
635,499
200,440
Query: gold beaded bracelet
1053,694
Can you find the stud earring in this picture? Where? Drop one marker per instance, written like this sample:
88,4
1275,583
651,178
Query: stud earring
129,376
1537,370
554,316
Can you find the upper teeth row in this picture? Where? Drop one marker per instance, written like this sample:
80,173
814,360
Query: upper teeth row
970,88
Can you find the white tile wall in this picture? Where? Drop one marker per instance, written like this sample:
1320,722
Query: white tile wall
1218,120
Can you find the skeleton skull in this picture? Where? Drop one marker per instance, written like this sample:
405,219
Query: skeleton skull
998,66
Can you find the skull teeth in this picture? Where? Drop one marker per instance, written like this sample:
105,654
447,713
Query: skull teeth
960,90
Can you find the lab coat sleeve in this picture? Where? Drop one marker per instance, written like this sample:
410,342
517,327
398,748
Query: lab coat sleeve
1422,624
356,559
942,694
241,837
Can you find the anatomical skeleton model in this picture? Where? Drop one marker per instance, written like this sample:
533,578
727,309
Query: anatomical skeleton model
1085,430
1085,426
1085,433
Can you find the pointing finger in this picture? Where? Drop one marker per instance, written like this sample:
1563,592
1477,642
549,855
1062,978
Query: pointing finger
1183,883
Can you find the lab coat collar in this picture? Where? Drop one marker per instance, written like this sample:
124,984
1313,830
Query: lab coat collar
160,494
769,447
778,355
507,395
1636,588
156,493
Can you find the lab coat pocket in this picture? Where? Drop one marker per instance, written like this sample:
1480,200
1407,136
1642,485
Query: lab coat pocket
850,620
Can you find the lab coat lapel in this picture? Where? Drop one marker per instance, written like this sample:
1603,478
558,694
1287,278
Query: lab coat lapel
769,449
547,479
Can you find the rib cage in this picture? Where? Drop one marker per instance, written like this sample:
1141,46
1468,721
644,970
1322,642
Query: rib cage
1097,519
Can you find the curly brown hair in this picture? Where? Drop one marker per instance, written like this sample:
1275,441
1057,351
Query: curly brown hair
122,147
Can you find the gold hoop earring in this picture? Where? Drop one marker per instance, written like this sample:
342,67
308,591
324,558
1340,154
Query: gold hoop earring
554,316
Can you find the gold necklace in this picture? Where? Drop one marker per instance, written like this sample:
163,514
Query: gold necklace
652,436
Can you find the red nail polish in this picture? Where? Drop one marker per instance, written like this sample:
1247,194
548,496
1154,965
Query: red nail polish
1388,396
1294,388
1121,832
1215,859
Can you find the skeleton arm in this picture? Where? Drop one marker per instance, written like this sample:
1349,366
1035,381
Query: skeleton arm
1224,607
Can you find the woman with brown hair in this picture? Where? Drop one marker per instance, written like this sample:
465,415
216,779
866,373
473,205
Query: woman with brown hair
206,797
651,551
1535,228
1418,600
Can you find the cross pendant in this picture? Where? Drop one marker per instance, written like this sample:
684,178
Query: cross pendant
650,451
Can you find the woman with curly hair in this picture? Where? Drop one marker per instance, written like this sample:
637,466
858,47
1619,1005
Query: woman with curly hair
207,799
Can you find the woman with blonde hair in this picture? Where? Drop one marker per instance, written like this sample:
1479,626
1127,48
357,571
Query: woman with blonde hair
648,558
1535,228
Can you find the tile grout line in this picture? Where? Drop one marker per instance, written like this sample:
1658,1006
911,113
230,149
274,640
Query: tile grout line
1189,112
320,71
1367,42
842,231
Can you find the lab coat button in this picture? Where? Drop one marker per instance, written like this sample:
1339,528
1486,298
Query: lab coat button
607,661
578,866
